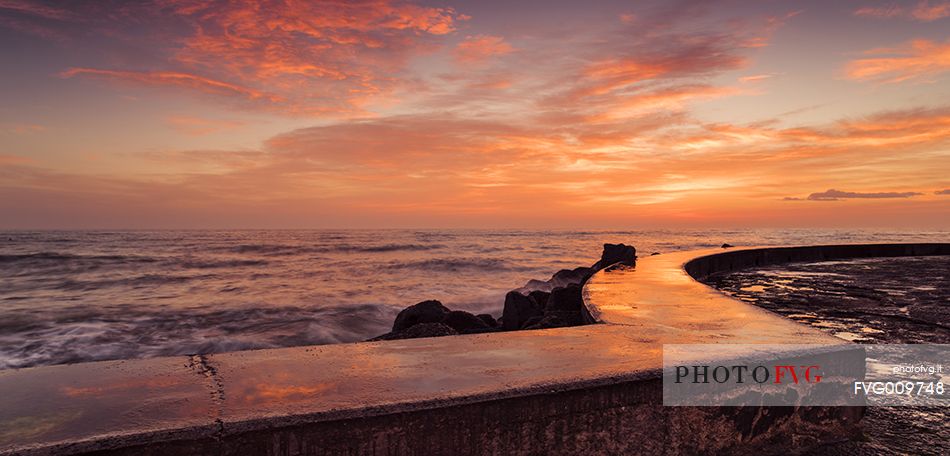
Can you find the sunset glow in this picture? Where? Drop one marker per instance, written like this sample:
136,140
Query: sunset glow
379,113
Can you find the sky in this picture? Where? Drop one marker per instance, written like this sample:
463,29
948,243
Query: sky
489,114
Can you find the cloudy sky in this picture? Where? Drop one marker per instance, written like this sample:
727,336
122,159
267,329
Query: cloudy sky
516,114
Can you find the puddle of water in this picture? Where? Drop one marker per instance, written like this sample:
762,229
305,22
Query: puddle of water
849,336
753,289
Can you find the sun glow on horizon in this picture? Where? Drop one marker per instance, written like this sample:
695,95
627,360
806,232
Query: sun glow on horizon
387,113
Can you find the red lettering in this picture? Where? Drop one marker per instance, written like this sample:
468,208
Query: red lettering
779,375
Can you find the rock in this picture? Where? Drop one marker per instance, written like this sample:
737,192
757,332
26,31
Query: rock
727,246
654,253
418,330
488,320
565,299
550,321
535,284
616,253
518,309
464,322
423,312
566,308
557,319
566,277
540,297
532,321
562,278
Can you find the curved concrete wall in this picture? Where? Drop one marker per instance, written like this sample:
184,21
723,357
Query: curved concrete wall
589,389
745,258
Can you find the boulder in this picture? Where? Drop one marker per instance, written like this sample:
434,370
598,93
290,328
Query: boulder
566,277
540,297
488,320
616,253
532,322
423,312
559,318
565,299
535,284
553,320
727,246
464,322
518,309
418,330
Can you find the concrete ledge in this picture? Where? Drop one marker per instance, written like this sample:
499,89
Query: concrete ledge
726,261
570,390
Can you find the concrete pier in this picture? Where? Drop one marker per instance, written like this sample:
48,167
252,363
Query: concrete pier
586,389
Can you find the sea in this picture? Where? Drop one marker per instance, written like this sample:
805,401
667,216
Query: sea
78,296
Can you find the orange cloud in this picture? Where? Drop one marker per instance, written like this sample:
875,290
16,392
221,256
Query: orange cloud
659,74
197,126
21,128
170,78
924,11
595,126
296,58
755,78
481,47
919,59
34,9
439,170
835,195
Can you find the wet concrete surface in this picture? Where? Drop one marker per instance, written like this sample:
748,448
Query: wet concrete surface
83,404
870,301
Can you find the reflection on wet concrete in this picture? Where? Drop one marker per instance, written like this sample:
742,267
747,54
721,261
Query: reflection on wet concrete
73,402
658,297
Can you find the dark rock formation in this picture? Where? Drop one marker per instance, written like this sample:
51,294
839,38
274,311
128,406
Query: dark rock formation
540,297
423,312
566,277
727,246
518,309
551,320
464,322
654,253
616,253
554,303
488,320
565,308
533,321
565,299
417,331
562,278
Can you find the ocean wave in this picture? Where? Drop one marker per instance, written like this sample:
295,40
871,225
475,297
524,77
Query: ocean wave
42,257
213,264
283,249
84,334
456,264
129,282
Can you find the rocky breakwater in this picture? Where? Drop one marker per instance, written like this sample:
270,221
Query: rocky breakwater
553,303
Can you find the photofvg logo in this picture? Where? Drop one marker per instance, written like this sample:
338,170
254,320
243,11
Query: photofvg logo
804,375
740,373
761,375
